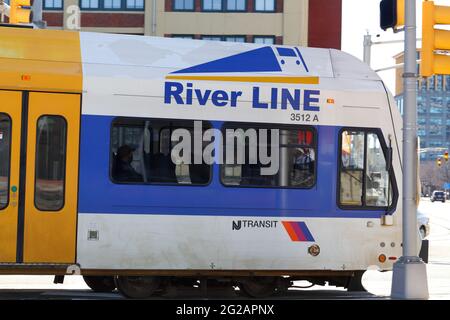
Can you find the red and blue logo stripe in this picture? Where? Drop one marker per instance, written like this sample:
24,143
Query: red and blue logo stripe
298,231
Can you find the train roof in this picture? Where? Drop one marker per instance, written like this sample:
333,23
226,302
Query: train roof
54,59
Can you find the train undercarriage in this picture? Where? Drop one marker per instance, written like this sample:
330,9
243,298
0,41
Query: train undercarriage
144,287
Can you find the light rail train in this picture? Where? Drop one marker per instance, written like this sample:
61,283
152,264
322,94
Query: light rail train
89,184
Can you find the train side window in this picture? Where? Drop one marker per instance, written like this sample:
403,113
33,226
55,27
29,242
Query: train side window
295,153
5,155
141,153
51,146
364,180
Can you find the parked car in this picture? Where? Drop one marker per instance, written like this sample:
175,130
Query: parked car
438,196
423,223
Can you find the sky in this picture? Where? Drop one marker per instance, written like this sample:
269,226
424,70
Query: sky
362,16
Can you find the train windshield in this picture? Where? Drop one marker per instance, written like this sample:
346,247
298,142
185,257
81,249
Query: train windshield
364,180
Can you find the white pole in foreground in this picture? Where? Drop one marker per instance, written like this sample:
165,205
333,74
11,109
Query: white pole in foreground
410,274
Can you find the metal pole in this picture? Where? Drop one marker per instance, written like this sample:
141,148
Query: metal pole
37,15
2,15
410,277
37,10
4,8
392,41
154,14
367,48
410,137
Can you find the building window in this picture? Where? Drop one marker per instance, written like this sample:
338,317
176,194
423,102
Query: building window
142,153
292,152
112,5
135,4
439,82
51,143
212,38
90,4
236,5
212,5
436,105
436,121
423,86
183,5
225,38
224,5
264,40
421,108
447,83
364,180
5,156
53,4
431,83
234,38
183,36
265,5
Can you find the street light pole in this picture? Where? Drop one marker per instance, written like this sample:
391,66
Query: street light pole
367,48
410,274
367,45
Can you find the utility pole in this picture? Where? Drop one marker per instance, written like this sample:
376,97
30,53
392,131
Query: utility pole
410,274
37,14
4,11
367,48
368,43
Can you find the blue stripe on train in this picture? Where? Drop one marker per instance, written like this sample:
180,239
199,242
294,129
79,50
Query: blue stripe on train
98,194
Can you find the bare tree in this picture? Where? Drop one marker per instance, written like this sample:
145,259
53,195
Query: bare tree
432,176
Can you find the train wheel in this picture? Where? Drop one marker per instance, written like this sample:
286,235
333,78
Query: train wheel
259,287
423,232
137,287
355,282
100,284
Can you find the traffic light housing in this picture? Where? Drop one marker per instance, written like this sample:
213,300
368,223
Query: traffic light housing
392,14
20,11
434,40
446,155
439,162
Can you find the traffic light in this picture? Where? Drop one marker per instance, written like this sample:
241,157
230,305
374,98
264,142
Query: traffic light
439,162
392,14
20,11
434,40
446,155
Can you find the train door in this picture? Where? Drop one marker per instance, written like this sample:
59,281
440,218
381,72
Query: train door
42,198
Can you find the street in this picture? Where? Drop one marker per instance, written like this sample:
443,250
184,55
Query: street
438,268
377,283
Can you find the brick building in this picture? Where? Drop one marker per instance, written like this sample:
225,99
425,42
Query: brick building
315,23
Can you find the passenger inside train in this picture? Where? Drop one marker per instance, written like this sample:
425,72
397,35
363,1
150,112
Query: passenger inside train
123,171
